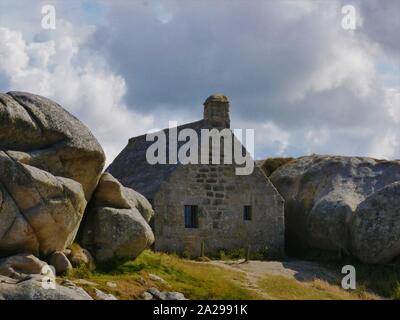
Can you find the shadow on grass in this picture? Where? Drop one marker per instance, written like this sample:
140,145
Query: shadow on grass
383,280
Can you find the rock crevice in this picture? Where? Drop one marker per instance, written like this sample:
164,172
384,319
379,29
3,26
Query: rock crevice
342,204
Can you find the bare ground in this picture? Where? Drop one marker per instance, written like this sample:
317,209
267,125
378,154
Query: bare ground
302,271
296,269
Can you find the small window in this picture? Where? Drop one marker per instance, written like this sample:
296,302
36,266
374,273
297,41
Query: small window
247,214
191,217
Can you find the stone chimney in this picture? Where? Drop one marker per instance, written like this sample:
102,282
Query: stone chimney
216,112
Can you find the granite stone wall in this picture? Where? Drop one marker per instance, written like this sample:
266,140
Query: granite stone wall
220,196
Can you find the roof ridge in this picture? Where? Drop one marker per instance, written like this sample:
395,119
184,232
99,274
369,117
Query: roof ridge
179,126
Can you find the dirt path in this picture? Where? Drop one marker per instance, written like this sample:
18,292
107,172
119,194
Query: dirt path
299,270
296,269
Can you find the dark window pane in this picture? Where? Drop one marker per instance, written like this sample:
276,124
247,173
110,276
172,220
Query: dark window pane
247,214
191,218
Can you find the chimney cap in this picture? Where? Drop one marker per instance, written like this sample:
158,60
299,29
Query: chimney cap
216,97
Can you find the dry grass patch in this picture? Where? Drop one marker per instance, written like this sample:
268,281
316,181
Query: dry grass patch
283,288
195,280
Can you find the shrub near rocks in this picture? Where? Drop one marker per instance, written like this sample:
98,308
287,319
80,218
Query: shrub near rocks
271,164
80,257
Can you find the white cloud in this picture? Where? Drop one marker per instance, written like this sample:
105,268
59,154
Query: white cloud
83,84
317,137
385,145
12,52
386,142
274,136
347,65
392,101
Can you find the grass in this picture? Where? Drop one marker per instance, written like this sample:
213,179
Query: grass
283,288
381,279
384,280
241,253
202,281
195,280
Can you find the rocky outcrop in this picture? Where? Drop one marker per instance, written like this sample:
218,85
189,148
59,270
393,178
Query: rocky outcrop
40,213
115,225
100,295
323,196
375,228
33,289
155,294
25,277
110,193
49,166
60,262
47,137
21,265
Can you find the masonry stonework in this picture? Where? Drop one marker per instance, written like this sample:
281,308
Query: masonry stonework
220,196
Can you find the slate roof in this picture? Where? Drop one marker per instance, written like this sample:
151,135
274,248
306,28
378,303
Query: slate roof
132,169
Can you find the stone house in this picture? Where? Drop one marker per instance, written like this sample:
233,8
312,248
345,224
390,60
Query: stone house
204,203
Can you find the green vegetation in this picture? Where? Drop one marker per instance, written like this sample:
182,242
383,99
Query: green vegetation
195,280
280,287
82,272
235,254
201,280
245,253
381,279
271,164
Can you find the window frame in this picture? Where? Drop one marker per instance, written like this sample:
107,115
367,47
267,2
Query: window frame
247,213
191,222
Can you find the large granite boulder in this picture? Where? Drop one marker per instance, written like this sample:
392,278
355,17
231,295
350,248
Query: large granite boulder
50,165
116,224
60,262
322,194
41,213
375,228
49,138
110,193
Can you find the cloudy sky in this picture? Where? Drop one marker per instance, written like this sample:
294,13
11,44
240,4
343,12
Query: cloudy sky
289,68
